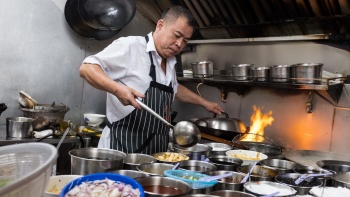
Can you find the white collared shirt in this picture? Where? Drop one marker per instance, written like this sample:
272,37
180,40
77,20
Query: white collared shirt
127,59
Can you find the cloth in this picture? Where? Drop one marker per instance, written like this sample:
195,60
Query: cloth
40,134
140,131
127,59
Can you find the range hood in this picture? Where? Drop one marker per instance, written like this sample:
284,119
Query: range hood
225,19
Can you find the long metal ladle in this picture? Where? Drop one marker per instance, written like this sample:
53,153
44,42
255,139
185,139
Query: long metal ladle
186,134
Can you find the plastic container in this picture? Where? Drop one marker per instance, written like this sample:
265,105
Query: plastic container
101,176
195,184
30,166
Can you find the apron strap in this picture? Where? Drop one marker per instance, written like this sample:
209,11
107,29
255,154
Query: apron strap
152,71
145,143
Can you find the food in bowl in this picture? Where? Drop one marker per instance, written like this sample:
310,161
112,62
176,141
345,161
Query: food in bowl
170,157
248,156
56,184
103,184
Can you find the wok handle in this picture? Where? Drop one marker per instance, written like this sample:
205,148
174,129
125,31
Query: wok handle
144,106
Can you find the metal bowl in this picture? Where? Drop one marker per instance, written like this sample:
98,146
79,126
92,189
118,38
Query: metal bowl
155,169
255,188
259,173
334,165
229,183
130,173
199,195
341,179
196,152
223,162
309,170
197,166
93,160
156,156
230,193
282,166
303,188
163,186
133,160
219,148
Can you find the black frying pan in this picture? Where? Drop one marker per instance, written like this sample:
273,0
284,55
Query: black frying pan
94,19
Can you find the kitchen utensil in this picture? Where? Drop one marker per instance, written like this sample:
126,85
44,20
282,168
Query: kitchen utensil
26,101
241,72
155,169
132,160
190,177
28,167
223,162
194,152
19,127
186,134
102,176
281,73
259,173
303,188
248,174
175,166
62,138
216,139
334,165
304,177
98,20
95,160
261,74
256,188
197,166
282,166
202,69
221,127
229,193
228,183
307,73
130,173
157,186
248,156
217,177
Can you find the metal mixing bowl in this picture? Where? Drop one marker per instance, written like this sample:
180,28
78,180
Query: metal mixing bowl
230,193
197,166
334,165
282,166
219,148
303,188
155,169
196,152
228,183
165,186
133,160
130,173
223,162
259,173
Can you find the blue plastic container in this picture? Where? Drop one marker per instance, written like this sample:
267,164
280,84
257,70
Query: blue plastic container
195,184
102,176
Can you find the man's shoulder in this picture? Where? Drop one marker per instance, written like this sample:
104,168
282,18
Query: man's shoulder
132,39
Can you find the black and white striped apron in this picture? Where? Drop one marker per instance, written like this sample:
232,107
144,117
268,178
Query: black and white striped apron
140,131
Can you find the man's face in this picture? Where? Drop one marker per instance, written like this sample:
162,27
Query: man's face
170,39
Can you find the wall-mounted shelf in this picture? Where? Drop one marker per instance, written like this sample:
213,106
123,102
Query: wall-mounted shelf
329,88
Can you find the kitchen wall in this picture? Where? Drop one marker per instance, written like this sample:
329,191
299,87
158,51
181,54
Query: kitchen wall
41,55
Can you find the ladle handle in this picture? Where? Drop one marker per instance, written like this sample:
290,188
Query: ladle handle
144,106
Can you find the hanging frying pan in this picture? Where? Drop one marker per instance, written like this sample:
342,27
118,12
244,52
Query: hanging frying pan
99,19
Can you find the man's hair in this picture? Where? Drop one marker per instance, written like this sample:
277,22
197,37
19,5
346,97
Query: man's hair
173,13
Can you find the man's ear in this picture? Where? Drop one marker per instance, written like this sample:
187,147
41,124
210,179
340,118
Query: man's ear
160,24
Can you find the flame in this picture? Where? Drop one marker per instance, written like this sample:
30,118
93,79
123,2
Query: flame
258,121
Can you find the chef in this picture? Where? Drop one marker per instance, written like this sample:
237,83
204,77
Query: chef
137,67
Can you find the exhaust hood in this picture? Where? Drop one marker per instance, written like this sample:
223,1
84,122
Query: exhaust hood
226,19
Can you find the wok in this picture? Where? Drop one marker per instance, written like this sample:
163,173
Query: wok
3,107
225,128
101,19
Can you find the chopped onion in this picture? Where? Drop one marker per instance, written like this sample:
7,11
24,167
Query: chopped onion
106,187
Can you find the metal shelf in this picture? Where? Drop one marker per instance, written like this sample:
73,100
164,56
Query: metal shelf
330,88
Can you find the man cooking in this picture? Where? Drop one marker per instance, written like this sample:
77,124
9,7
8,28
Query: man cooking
143,68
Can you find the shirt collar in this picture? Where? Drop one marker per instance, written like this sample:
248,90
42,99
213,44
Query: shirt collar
152,47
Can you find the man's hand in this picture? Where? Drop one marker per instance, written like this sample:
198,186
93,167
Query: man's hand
213,107
127,95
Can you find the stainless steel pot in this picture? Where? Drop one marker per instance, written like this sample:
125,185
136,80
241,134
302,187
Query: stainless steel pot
230,193
341,179
94,160
156,186
241,72
259,173
260,73
223,162
197,166
219,148
133,160
282,166
225,128
130,173
19,127
155,169
197,152
202,69
228,183
281,73
307,73
303,188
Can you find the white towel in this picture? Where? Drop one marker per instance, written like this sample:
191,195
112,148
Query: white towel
40,134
